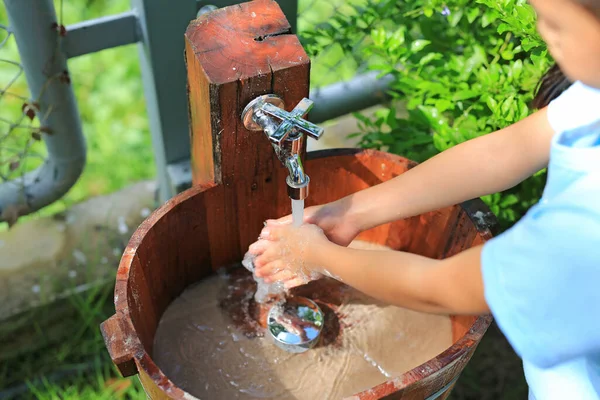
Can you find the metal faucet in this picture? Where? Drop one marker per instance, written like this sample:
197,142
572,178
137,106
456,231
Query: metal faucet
285,130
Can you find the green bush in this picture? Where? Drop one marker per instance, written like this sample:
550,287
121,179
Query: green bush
462,69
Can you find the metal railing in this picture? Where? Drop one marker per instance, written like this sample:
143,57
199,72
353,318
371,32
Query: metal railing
52,103
45,45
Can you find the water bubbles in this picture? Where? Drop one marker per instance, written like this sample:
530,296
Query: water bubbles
376,365
204,328
329,274
263,290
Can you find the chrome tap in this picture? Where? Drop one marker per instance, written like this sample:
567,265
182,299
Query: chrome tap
285,130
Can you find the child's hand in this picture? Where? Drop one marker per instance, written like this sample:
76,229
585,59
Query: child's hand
289,254
332,218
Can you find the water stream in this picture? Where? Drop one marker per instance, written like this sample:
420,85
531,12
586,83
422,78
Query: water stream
297,212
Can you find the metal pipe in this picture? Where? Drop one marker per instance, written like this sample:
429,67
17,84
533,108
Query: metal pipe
45,67
361,92
101,33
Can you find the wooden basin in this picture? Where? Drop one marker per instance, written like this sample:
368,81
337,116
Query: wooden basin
191,236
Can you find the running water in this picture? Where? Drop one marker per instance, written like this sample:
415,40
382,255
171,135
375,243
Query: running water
297,212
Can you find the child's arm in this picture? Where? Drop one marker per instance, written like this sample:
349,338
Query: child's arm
485,165
450,286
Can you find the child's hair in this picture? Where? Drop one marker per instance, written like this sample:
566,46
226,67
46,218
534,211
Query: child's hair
554,82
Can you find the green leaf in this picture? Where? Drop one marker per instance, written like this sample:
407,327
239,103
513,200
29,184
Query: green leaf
507,55
465,94
365,120
455,17
528,44
508,200
491,103
472,14
517,69
523,110
396,40
503,27
430,57
378,35
439,142
507,104
488,17
418,45
443,105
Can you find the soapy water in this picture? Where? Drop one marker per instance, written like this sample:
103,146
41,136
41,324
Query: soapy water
266,291
209,343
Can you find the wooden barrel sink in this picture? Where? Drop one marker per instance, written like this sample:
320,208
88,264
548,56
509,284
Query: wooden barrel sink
188,238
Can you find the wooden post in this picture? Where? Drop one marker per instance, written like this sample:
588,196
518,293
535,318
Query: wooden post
233,55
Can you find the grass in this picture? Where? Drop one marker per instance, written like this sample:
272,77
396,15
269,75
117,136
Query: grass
56,351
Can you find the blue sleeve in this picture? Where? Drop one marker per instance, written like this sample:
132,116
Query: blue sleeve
577,106
542,279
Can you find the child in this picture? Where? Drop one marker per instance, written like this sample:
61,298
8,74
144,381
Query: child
540,279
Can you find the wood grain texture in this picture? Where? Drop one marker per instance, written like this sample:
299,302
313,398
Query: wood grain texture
233,55
172,249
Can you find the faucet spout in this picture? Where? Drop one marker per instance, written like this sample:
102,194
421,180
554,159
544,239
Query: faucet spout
297,181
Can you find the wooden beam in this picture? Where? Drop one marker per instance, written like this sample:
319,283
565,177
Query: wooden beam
233,55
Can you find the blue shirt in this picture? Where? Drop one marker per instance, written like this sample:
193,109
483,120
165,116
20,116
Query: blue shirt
542,277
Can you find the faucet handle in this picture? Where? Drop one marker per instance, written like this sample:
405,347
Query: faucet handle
305,126
260,113
293,120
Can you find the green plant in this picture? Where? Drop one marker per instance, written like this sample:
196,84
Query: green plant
56,351
461,69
